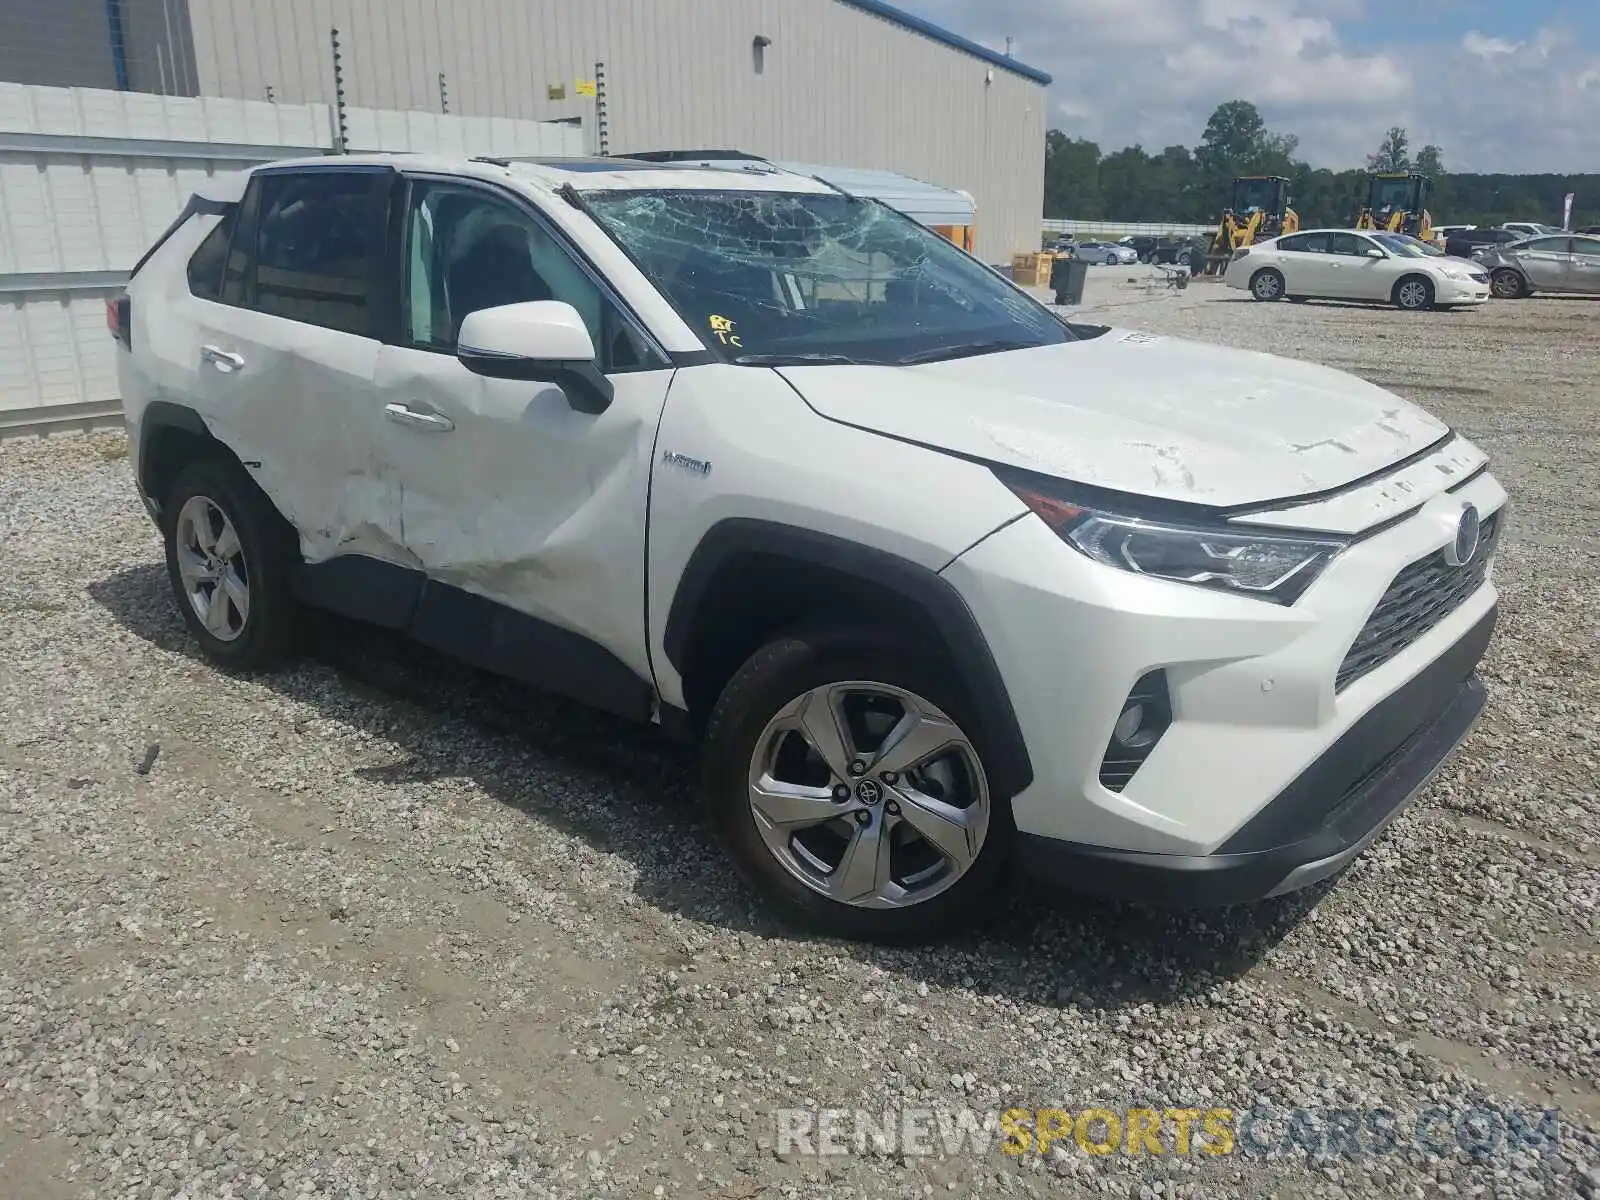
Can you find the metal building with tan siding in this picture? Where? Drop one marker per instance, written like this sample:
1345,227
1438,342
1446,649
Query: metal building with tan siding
848,83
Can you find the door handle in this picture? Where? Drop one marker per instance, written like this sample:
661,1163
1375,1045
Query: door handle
429,422
223,360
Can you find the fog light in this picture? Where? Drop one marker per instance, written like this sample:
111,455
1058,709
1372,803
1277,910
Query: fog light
1131,732
1145,716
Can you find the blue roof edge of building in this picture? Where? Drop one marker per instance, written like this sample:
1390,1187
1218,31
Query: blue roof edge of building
954,40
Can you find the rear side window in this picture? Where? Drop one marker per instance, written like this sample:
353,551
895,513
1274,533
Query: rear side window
1305,243
307,247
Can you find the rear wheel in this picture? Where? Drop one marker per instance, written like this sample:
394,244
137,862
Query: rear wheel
843,778
1508,284
229,555
1267,284
1413,293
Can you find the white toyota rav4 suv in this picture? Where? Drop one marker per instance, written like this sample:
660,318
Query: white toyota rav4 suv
944,584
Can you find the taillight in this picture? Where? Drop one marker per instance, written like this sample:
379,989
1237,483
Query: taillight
119,319
1238,254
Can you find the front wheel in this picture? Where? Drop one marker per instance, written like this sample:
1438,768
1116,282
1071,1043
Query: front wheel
1413,294
1507,284
842,775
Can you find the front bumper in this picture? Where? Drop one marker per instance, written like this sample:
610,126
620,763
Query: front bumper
1331,812
1461,291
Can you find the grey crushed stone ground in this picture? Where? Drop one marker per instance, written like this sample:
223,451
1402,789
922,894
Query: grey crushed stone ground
379,926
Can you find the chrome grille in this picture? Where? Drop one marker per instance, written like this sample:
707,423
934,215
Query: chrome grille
1421,596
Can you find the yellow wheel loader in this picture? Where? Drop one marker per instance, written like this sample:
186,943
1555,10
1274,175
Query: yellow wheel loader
1398,203
1259,209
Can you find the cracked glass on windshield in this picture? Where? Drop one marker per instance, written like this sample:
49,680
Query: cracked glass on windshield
775,278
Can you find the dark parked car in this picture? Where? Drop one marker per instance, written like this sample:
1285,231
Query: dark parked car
1168,248
1463,242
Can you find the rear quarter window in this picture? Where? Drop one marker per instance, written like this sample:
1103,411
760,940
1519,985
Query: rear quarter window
205,265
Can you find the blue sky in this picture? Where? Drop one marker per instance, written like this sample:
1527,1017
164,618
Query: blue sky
1500,85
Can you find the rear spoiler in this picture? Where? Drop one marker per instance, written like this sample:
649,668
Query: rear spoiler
214,198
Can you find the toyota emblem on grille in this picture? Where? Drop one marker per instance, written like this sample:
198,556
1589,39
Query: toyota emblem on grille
1460,552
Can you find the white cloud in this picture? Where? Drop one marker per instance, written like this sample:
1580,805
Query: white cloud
1485,46
1151,71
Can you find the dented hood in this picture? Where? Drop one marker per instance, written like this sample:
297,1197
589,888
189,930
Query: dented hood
1132,412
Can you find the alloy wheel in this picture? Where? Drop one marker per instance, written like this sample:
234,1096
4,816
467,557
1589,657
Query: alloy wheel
1506,284
212,566
1268,286
1413,294
869,795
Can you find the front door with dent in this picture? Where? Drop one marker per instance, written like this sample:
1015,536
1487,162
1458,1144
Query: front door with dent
507,492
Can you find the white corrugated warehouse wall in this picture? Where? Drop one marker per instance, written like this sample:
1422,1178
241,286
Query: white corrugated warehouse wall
90,178
836,85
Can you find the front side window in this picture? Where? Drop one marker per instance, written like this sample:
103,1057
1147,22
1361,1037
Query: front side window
1546,245
468,250
1349,244
1589,247
769,277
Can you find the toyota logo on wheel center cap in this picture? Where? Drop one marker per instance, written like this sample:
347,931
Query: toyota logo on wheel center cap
1461,551
868,791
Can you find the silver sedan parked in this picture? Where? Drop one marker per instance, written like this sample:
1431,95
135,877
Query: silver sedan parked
1557,263
1108,253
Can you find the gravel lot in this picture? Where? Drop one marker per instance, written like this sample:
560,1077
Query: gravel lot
379,926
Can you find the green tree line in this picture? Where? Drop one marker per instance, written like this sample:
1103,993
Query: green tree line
1181,184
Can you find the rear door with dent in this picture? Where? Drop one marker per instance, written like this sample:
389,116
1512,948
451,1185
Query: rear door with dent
288,347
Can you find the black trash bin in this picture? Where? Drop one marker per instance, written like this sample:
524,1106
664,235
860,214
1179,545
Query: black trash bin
1066,280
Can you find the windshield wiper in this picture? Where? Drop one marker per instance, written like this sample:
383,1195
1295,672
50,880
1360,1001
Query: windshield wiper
962,350
797,360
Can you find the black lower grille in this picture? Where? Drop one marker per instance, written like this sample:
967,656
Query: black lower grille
1421,596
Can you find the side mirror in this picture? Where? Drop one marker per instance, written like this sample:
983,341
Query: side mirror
1376,253
542,341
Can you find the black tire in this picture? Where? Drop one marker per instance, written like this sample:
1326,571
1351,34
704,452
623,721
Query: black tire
773,677
1507,284
1182,259
270,631
1403,292
1267,285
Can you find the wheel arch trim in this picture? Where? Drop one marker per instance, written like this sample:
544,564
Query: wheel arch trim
159,415
931,593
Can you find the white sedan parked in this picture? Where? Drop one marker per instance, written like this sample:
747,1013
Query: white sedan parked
1343,264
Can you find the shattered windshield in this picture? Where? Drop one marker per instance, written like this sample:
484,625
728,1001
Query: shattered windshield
777,278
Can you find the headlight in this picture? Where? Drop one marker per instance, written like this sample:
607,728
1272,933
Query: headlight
1456,272
1268,566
